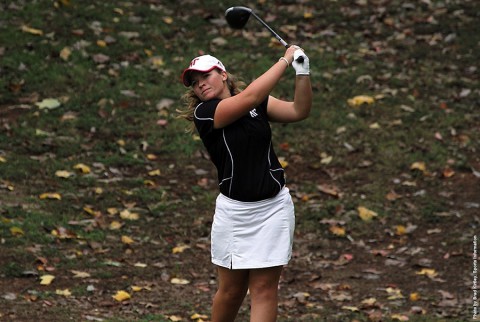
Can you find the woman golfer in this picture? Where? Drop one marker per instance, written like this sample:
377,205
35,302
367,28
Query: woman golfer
253,225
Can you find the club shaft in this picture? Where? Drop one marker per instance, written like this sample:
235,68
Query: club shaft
283,42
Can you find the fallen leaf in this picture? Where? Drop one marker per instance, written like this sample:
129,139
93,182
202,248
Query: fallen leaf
337,230
197,316
154,173
350,308
400,230
414,297
85,169
115,225
179,281
179,249
46,279
141,265
429,272
127,215
121,296
448,172
394,293
399,317
360,100
174,318
65,53
50,195
66,292
80,274
366,214
17,231
32,31
48,103
64,174
419,166
127,240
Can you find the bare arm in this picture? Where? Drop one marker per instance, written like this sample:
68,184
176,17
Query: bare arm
299,109
232,108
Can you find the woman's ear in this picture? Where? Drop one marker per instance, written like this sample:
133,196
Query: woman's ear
224,76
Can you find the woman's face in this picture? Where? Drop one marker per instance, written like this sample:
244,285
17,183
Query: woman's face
210,85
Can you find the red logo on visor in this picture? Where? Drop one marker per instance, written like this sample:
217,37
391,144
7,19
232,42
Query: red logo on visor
194,61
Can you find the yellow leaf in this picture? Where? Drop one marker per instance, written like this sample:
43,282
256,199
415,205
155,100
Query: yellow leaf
374,126
179,281
136,288
112,211
399,317
32,31
283,162
151,157
79,274
366,214
50,195
127,240
46,279
326,159
197,316
82,167
101,43
65,292
157,61
126,214
308,15
337,230
179,249
360,100
400,230
369,301
350,308
418,166
154,173
168,20
141,265
394,293
3,160
149,183
16,231
114,225
64,174
48,103
92,212
121,296
98,190
414,297
65,53
430,272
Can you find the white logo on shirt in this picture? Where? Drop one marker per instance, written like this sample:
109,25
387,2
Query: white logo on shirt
253,113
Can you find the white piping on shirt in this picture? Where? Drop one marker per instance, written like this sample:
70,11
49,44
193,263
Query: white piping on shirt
231,158
271,170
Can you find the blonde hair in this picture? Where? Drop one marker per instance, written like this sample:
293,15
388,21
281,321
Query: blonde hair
191,101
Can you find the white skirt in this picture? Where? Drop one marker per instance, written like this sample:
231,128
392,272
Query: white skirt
248,235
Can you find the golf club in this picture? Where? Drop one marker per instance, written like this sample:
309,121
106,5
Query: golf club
237,18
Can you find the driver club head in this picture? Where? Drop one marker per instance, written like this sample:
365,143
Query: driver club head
237,17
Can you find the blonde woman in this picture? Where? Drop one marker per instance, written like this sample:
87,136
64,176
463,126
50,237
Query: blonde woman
253,225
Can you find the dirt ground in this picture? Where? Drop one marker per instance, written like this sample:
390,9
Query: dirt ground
379,275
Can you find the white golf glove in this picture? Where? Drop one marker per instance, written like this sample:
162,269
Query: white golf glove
302,68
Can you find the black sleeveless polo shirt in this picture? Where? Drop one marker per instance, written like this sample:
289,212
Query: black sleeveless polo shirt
248,168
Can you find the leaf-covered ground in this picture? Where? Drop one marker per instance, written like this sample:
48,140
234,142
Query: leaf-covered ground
106,203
